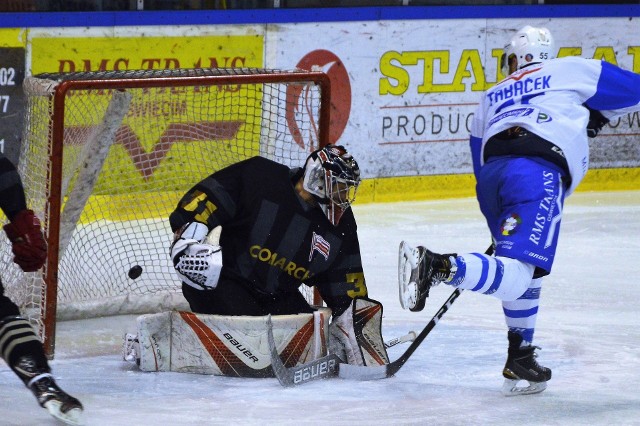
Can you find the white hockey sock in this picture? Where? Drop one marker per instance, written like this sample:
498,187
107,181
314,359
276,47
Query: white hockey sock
521,314
501,277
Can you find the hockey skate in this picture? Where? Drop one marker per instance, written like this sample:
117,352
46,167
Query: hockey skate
131,348
522,365
58,403
418,270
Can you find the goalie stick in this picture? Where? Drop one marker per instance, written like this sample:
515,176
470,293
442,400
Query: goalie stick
320,368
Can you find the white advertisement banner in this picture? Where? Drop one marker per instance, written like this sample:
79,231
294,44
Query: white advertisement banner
404,92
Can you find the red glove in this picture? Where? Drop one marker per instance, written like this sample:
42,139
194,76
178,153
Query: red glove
29,247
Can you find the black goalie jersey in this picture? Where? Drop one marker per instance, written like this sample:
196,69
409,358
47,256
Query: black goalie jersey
272,240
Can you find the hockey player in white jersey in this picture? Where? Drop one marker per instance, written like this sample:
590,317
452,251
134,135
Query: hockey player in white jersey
529,144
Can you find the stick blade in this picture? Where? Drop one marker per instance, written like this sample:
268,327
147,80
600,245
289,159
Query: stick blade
358,372
321,368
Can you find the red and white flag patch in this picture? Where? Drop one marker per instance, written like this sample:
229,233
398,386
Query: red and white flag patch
320,245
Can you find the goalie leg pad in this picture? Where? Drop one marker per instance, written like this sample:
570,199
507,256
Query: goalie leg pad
154,341
228,345
356,335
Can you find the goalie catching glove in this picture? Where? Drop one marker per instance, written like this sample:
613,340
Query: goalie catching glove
356,337
196,263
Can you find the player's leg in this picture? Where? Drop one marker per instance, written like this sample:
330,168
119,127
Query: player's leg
24,354
522,201
521,364
524,216
521,314
501,277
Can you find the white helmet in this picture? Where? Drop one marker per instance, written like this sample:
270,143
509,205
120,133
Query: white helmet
528,46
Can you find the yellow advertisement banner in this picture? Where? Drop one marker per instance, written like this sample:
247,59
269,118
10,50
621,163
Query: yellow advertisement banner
171,136
70,54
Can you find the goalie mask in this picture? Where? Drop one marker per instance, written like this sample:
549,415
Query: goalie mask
528,46
332,175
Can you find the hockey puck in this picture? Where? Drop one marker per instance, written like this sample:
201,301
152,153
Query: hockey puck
135,272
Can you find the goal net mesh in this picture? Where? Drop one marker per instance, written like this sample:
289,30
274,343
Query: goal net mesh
106,156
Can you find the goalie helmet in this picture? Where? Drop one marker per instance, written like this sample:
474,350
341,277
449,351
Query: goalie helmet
530,45
332,175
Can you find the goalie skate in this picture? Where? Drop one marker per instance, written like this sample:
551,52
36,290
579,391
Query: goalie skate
131,348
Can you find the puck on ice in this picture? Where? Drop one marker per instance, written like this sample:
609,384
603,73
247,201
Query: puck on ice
135,272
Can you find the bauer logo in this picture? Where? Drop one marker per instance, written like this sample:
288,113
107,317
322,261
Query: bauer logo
297,98
314,371
244,350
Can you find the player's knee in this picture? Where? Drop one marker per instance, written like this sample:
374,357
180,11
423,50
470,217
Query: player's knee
516,279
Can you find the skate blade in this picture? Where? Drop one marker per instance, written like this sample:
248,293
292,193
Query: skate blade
511,388
71,417
407,261
409,254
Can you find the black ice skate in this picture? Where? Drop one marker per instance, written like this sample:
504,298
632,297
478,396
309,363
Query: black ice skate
522,365
58,403
420,269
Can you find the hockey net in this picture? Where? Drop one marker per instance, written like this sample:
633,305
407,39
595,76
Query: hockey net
106,156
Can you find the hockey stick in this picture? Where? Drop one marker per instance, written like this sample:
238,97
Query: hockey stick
409,337
294,376
321,368
357,372
331,365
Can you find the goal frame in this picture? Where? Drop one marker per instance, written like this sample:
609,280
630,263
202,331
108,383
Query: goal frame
53,204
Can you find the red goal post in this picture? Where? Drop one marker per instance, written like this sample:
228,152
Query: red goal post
106,156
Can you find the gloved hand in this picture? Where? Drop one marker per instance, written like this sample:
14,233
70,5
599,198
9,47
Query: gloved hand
197,264
596,122
28,244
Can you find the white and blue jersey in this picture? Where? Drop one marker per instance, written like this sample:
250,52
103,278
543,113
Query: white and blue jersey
547,99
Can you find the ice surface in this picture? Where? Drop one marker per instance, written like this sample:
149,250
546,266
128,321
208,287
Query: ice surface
588,327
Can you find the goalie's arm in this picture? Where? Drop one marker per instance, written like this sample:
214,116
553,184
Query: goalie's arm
339,286
213,201
344,280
